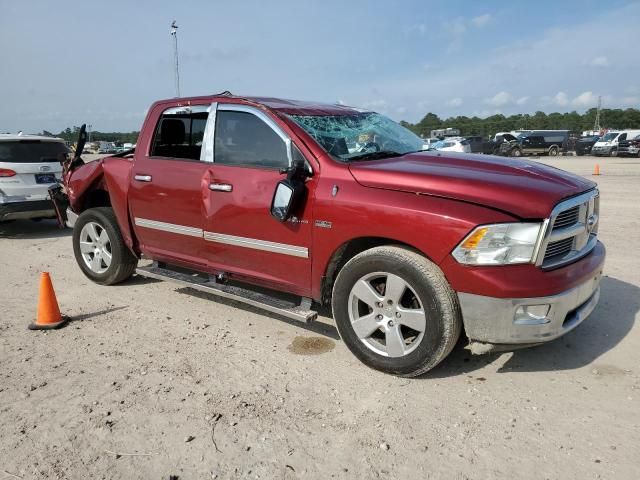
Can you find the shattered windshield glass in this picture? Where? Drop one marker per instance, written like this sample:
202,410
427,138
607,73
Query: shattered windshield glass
359,136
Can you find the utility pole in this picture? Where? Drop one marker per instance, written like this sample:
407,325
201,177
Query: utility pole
596,125
174,34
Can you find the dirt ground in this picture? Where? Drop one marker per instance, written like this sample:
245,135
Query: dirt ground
152,380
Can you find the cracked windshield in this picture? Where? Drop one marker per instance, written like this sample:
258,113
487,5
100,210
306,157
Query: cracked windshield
359,136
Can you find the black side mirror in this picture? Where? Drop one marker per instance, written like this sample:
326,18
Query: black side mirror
286,196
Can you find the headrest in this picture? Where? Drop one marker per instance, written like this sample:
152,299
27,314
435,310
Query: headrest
172,131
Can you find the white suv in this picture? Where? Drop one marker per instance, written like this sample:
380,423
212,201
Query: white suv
29,165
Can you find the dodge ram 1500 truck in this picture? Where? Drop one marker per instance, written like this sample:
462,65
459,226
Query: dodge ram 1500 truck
266,200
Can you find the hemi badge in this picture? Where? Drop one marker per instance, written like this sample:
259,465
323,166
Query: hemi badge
322,224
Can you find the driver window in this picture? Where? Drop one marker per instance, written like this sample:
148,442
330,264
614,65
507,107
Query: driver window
243,139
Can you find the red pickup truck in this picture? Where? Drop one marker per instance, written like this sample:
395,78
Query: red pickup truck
281,203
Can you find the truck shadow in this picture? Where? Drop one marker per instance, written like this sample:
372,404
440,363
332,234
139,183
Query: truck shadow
28,229
609,323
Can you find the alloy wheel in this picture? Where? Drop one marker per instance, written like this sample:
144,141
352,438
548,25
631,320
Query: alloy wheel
95,247
386,314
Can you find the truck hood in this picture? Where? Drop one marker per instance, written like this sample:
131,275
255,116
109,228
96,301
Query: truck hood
525,189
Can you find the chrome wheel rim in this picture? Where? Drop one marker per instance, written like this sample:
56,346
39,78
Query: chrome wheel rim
386,314
95,247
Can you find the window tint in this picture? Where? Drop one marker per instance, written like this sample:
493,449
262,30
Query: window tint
31,151
622,137
243,139
179,135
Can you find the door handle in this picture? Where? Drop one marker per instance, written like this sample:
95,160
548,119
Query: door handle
220,187
142,178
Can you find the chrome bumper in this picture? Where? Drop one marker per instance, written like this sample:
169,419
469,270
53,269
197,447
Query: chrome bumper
494,321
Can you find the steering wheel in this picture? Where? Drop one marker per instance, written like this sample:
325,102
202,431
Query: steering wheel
370,147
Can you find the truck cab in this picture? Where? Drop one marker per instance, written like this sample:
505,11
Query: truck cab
286,205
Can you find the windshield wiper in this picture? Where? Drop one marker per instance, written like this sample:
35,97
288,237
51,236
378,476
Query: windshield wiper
376,155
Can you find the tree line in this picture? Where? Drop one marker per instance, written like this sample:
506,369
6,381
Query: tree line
70,134
609,118
573,121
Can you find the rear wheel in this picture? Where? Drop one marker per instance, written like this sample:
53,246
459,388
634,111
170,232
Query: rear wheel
99,249
395,311
553,151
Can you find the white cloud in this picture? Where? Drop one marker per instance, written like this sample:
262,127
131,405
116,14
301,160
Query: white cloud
630,102
481,20
401,110
601,61
500,99
522,100
455,102
561,99
585,99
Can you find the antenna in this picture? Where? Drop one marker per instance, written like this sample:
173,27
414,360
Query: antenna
174,34
596,125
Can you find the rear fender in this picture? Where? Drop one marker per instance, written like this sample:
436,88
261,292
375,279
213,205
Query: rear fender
112,175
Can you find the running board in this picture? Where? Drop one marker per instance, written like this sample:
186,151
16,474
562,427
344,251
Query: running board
269,303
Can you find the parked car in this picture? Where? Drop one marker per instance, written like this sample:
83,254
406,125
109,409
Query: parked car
492,147
629,148
475,143
608,144
584,145
410,248
452,145
29,164
543,142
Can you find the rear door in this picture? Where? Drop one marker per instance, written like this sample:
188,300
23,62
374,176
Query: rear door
241,236
166,191
28,167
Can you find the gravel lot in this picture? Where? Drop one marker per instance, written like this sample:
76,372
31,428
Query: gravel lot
152,380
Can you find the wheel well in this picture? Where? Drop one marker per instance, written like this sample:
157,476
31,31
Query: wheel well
97,198
346,252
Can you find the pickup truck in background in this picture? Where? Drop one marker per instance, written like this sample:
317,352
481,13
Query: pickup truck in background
285,204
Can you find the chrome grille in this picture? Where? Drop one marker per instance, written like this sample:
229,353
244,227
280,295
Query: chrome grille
571,232
568,217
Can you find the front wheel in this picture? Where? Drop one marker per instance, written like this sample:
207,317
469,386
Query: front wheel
553,151
516,152
99,249
613,153
395,311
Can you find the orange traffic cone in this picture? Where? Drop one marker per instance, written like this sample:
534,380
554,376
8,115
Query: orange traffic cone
596,169
49,316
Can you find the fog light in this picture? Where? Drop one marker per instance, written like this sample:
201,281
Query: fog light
532,315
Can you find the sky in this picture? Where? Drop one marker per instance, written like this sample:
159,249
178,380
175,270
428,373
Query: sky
65,63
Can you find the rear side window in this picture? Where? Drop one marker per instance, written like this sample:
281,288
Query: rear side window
243,139
179,133
31,151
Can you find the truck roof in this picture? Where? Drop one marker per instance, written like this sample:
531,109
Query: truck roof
288,106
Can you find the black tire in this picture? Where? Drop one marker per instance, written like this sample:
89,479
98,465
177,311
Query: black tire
435,296
613,153
553,152
123,261
516,152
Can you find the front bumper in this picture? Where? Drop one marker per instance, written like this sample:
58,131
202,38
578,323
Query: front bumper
27,209
496,321
602,150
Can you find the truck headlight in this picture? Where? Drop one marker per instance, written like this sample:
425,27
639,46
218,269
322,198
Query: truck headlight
499,244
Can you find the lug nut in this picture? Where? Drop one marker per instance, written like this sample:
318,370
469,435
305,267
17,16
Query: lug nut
389,302
398,315
390,324
379,304
378,317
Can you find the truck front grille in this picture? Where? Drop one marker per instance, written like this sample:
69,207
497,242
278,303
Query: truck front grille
572,231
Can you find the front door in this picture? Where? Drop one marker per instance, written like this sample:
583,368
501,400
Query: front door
240,234
166,193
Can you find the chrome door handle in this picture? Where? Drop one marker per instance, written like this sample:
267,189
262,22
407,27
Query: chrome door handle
143,178
220,187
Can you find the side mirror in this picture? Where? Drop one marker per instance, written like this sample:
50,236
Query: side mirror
285,198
